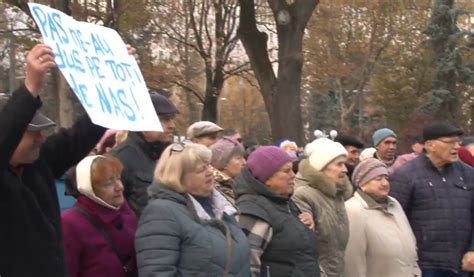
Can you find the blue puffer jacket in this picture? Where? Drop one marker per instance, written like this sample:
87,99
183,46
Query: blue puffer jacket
172,240
440,208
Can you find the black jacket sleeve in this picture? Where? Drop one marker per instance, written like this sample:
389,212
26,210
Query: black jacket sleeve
14,119
69,146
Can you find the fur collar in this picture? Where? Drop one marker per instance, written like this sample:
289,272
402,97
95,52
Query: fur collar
317,180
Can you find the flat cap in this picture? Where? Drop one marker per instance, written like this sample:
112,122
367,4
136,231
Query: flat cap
202,128
162,105
347,140
440,129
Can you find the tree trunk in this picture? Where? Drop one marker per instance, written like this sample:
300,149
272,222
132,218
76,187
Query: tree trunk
281,95
213,89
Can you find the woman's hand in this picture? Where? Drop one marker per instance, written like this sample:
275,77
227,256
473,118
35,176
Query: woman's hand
307,220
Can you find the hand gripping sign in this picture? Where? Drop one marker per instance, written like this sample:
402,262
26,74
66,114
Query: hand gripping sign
96,65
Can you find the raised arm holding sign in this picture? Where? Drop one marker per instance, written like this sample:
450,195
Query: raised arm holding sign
95,63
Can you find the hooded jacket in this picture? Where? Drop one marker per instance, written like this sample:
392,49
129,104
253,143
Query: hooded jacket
292,250
173,239
317,195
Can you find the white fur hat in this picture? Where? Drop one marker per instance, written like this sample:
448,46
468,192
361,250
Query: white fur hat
323,151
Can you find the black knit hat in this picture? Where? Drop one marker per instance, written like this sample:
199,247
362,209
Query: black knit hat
347,140
440,129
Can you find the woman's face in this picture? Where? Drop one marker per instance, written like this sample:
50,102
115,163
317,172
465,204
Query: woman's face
234,166
110,190
336,171
199,181
379,187
282,181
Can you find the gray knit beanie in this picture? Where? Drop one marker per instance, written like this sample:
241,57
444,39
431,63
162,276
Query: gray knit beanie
381,134
367,170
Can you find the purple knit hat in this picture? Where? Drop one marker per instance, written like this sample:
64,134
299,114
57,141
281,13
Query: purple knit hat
265,161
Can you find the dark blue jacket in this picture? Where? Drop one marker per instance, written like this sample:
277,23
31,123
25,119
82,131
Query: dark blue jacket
440,208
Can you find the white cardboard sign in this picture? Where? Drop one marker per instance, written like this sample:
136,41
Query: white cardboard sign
96,65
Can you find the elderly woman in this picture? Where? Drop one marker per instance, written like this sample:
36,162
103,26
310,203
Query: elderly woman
99,230
188,228
381,242
281,240
227,162
321,187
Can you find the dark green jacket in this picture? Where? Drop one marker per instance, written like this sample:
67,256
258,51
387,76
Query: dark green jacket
293,249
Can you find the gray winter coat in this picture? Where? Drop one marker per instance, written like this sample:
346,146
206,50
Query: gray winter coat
172,240
315,194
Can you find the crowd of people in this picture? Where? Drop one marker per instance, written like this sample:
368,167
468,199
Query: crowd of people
217,205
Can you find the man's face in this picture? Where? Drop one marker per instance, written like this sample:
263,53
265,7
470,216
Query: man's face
28,149
353,154
167,122
387,148
444,150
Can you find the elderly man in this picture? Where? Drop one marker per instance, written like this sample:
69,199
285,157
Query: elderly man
140,152
204,132
436,191
31,236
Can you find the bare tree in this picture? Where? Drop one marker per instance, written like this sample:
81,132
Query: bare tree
209,30
281,93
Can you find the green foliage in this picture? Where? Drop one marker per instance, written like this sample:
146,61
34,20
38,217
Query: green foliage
449,45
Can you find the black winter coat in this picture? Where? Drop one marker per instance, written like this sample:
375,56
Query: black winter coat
30,236
440,208
139,160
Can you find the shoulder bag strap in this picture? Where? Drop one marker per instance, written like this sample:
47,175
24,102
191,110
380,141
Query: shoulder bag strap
98,226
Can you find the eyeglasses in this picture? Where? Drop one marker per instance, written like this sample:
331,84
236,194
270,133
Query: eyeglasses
177,147
451,142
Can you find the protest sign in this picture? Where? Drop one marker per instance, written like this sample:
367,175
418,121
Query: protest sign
96,65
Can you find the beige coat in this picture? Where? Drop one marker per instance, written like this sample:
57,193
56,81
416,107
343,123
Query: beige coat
381,242
317,195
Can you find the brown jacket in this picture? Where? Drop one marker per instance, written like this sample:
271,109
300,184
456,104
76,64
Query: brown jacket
317,195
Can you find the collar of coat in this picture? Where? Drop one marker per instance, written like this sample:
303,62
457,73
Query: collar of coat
317,180
369,203
151,149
